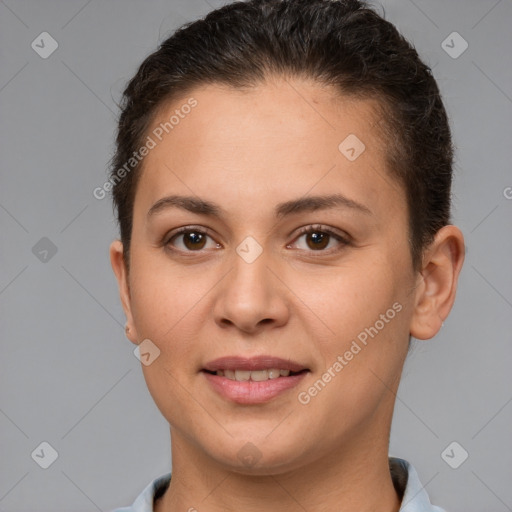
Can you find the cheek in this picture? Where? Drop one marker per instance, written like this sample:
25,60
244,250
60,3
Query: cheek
164,296
360,326
362,360
347,298
168,310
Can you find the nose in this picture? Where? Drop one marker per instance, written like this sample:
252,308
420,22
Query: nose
251,296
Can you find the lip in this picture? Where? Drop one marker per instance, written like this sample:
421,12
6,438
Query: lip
252,392
263,362
249,391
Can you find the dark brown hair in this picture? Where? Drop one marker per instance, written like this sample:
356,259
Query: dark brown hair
344,44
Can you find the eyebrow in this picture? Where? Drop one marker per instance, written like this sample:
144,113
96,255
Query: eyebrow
295,206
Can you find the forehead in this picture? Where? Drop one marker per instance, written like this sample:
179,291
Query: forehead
280,110
281,138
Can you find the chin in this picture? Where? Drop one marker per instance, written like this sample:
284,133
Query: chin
268,460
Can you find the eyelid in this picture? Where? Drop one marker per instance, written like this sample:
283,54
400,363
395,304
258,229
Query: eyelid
185,229
325,229
343,238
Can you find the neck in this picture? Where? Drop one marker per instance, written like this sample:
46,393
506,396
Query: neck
354,477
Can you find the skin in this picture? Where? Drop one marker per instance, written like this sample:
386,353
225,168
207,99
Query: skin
249,151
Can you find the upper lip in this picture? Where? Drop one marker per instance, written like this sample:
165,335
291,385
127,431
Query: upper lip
262,362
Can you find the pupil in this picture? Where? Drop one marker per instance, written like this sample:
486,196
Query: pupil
318,238
193,239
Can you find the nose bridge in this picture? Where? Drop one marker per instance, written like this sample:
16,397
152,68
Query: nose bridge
250,274
250,292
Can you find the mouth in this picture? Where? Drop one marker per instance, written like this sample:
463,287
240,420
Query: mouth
255,375
253,380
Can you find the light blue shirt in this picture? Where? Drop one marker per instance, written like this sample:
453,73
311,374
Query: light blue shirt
405,479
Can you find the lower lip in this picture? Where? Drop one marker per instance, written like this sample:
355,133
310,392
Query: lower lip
252,392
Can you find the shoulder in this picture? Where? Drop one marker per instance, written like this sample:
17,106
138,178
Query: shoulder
144,501
408,485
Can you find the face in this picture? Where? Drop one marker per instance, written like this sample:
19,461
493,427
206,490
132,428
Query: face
244,287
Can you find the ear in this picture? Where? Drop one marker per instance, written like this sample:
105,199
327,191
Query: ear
437,282
119,268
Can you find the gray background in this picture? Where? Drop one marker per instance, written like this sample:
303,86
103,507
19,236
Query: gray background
68,374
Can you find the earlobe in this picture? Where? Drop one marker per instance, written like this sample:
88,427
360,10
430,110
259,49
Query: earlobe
435,292
119,268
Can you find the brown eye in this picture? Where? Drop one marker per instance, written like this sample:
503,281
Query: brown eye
318,238
192,240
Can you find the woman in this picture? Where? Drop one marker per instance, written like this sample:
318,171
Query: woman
282,182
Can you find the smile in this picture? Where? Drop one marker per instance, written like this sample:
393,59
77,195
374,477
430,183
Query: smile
252,380
257,375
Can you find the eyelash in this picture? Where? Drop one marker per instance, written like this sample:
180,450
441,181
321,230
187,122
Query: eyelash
316,228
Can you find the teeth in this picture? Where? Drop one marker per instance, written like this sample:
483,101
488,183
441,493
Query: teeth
242,375
256,375
274,373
